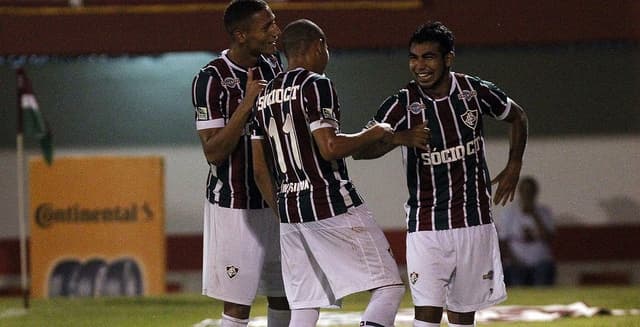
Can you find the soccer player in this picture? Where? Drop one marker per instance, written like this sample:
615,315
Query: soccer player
241,256
331,245
453,258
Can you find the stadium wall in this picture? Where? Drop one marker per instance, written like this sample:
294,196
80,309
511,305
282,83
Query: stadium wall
590,183
52,27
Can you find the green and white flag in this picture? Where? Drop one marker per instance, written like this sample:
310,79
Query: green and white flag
30,119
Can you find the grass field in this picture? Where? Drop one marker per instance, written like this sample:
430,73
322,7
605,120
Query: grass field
189,309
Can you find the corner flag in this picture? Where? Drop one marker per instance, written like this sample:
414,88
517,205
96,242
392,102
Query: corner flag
30,119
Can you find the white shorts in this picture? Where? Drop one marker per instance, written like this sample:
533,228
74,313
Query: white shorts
457,269
241,255
325,260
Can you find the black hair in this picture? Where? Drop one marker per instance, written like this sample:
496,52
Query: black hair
238,13
532,182
434,32
298,34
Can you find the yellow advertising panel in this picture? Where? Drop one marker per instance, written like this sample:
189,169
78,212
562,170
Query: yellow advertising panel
97,226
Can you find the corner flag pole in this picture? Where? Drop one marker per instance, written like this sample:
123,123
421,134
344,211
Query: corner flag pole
21,215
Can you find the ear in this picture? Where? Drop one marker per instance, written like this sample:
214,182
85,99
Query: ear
318,46
448,59
239,36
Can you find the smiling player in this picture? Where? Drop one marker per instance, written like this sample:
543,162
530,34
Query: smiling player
241,237
453,260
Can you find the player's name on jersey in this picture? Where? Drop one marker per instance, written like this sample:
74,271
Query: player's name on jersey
451,154
278,96
295,186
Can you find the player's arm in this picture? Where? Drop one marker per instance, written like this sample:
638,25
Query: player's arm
334,146
262,174
507,180
219,143
418,136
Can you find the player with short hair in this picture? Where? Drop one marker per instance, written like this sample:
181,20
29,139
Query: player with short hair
241,235
331,245
453,258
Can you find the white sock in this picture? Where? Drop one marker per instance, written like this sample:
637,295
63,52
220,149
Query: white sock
420,323
383,306
278,318
458,325
228,321
304,317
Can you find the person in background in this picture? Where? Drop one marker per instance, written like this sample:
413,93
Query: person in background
526,230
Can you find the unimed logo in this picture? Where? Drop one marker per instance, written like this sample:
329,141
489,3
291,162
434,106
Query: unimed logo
47,215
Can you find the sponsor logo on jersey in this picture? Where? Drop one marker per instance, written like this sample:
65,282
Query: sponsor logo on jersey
202,112
231,82
470,118
370,124
488,275
278,96
452,154
417,107
467,95
327,113
413,277
232,271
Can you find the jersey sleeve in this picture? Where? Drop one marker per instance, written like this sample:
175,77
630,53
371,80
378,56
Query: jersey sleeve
206,93
321,104
493,101
392,111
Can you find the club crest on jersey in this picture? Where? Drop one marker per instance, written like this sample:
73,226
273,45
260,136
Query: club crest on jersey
417,107
470,118
232,271
231,82
467,95
413,277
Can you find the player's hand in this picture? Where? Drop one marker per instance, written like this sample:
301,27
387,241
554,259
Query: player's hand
418,137
507,182
253,86
385,130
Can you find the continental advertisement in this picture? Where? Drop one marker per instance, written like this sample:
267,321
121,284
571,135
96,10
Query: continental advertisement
97,226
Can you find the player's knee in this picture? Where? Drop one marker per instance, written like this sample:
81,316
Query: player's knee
278,303
235,310
383,306
462,318
428,314
396,292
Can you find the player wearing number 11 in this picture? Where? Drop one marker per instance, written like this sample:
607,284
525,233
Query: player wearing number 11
331,246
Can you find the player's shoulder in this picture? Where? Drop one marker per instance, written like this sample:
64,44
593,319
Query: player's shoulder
212,68
404,94
308,78
475,81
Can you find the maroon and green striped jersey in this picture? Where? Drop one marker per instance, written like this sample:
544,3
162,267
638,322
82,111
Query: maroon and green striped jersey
217,90
288,110
449,185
